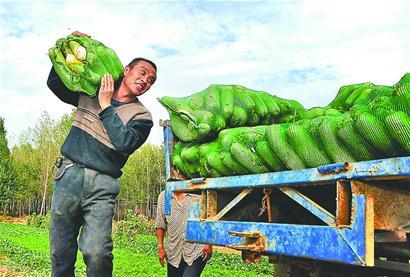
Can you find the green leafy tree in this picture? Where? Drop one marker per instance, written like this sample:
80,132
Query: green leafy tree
33,157
143,178
7,175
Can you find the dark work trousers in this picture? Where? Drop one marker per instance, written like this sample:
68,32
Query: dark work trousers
83,198
185,270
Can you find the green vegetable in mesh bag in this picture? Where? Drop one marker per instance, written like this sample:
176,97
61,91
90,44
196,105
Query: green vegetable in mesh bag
334,148
398,125
247,158
375,123
357,92
276,137
373,131
268,157
304,145
218,107
81,62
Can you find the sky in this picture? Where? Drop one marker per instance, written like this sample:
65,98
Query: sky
301,50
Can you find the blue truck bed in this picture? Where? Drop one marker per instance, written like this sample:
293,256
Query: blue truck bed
366,225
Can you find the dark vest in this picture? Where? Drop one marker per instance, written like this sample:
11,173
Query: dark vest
87,118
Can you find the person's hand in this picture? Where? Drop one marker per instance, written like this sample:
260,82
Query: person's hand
162,255
206,253
79,34
106,91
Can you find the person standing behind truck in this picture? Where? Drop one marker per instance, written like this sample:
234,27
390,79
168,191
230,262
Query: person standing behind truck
106,130
184,259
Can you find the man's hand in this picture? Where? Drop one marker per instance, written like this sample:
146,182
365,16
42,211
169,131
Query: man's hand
79,34
106,91
206,253
162,255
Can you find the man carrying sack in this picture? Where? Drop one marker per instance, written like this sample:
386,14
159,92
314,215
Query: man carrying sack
106,130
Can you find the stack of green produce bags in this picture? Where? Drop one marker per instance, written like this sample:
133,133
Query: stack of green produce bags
363,122
201,116
81,62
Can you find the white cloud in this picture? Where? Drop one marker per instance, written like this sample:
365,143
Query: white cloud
261,45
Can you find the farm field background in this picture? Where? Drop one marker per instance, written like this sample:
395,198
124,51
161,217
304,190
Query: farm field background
24,251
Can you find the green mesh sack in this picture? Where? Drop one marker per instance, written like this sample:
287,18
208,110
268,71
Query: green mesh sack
315,112
380,107
304,145
333,147
401,102
248,158
361,92
340,99
268,157
278,143
373,124
81,62
373,131
398,126
218,107
348,135
176,159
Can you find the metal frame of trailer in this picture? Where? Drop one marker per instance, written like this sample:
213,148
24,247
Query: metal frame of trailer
367,214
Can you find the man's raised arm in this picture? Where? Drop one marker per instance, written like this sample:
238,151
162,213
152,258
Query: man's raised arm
60,90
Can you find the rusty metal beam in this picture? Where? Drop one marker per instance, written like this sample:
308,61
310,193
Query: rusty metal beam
369,230
343,204
310,205
211,203
391,205
253,241
231,204
203,213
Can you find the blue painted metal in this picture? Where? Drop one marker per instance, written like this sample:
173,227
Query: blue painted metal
341,244
333,168
347,245
198,180
311,206
195,210
232,204
167,204
396,167
168,141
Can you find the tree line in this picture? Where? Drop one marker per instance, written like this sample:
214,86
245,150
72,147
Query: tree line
26,182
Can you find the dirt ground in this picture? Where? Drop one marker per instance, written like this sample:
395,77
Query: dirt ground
7,272
18,220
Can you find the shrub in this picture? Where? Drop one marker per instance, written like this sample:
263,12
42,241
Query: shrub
38,220
135,224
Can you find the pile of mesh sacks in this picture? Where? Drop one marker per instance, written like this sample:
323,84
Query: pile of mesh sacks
230,130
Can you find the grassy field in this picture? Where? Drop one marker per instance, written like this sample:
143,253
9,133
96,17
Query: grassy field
24,251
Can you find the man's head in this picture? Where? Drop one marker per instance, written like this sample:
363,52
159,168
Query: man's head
139,75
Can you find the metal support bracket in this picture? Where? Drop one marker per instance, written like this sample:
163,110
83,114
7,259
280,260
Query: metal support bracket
231,204
310,205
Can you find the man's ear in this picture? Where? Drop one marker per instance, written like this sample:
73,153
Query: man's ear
126,70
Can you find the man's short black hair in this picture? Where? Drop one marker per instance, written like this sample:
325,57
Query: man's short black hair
139,59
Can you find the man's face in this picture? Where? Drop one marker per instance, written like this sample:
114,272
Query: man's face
140,78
